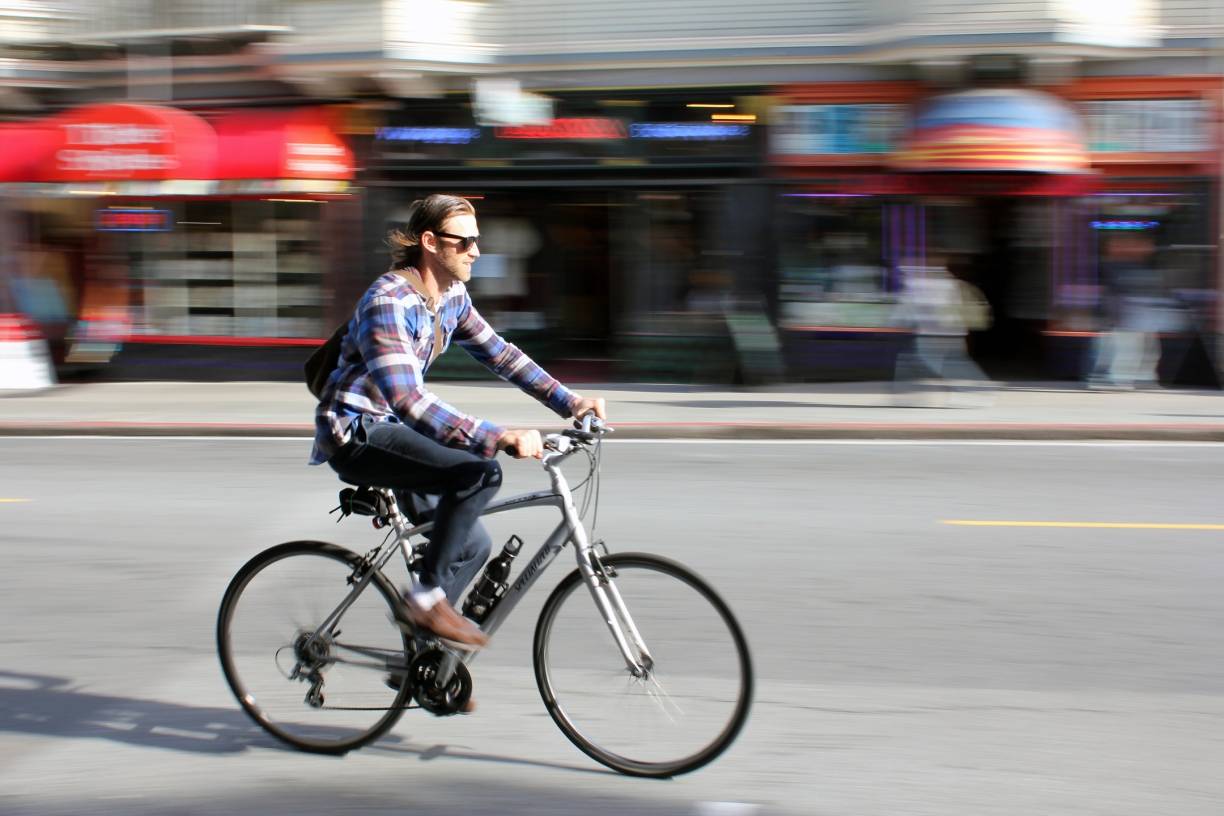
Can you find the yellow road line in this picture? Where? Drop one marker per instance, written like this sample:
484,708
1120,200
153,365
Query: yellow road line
14,501
1091,525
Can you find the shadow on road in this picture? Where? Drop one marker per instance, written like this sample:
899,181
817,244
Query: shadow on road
51,706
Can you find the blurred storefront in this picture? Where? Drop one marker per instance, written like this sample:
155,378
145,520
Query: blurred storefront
1014,191
615,232
1156,144
842,231
180,231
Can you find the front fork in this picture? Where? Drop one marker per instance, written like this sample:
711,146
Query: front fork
615,614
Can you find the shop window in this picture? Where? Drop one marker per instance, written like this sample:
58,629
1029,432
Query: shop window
1171,221
234,268
833,265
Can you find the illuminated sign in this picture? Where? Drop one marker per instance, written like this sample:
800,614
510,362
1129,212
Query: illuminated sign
592,128
1125,225
132,220
690,131
429,135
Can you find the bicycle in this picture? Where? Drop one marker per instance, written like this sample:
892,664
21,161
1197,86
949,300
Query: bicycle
330,662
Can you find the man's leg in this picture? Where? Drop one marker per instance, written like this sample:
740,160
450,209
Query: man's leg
464,569
389,454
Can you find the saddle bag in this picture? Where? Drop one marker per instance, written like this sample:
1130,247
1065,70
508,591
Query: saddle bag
361,501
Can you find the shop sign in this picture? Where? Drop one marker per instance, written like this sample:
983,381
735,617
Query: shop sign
688,131
110,149
133,220
1125,226
802,130
429,135
317,159
585,129
1146,125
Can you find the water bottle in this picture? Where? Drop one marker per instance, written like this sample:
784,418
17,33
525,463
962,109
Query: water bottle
492,583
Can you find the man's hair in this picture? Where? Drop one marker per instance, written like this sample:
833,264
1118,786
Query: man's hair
424,215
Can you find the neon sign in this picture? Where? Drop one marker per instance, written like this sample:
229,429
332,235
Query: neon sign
591,128
1129,226
132,220
429,135
690,131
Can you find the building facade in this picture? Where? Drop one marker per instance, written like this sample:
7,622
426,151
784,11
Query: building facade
685,159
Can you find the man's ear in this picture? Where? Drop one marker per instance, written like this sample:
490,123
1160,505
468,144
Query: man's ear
429,242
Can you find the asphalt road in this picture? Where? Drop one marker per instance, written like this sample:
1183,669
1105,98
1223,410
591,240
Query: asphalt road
905,665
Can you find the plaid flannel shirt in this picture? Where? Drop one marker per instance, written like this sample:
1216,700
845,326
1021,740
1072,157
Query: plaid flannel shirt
389,346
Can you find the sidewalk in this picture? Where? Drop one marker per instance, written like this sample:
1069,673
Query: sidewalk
841,410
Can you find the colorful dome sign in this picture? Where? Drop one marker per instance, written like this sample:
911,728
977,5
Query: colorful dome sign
994,130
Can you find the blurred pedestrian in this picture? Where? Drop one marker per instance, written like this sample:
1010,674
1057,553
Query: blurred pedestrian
377,423
940,310
1133,312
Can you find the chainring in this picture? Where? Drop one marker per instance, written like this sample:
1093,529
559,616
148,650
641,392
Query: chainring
423,672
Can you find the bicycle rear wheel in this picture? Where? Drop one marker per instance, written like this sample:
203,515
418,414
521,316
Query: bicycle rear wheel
320,691
692,703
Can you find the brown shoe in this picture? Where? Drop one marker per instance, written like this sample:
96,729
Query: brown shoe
447,624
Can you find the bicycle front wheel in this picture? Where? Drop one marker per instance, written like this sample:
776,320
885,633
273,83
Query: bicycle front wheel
320,690
691,703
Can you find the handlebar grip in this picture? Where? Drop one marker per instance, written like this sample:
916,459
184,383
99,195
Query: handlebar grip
512,450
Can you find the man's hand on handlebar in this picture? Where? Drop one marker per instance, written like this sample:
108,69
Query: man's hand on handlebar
587,405
522,444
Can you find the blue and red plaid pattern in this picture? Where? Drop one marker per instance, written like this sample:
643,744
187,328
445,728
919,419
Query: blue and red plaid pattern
386,352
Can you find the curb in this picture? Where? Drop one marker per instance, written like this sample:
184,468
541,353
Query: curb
1185,432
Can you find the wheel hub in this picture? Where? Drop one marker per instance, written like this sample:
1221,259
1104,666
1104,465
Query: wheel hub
311,649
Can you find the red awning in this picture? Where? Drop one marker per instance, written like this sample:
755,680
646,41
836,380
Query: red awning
127,142
22,148
296,144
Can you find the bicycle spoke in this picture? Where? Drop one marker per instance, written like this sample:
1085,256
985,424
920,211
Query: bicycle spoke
660,695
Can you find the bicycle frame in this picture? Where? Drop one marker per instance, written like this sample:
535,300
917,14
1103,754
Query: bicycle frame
607,599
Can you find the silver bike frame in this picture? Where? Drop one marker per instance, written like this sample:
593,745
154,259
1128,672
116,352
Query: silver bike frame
603,591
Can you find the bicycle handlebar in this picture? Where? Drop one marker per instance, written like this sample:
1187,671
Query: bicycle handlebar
587,429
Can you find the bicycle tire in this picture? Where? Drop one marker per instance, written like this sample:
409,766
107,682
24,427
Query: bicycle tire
315,738
653,612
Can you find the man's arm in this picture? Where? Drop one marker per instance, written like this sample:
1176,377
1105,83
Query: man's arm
508,361
384,337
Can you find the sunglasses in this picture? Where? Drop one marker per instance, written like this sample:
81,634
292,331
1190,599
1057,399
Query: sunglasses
466,242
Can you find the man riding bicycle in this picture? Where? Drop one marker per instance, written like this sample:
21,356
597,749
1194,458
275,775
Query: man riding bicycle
377,424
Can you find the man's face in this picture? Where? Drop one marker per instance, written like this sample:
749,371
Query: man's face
452,257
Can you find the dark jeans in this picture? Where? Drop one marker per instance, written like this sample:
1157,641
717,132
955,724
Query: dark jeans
433,481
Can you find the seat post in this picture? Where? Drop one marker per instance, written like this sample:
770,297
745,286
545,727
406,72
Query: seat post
393,512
